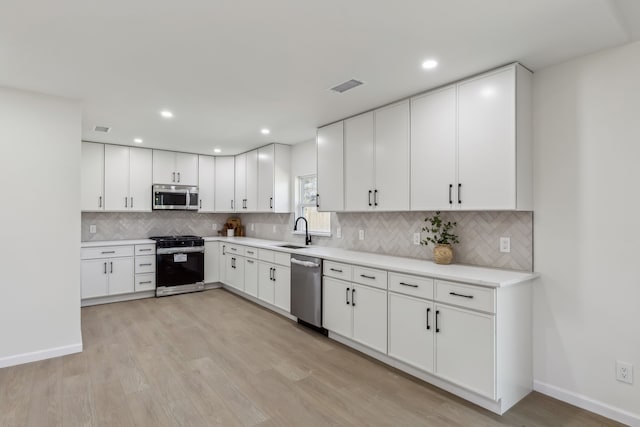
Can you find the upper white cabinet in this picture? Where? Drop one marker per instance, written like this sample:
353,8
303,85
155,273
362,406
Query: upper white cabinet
246,182
92,177
471,144
330,172
127,178
175,168
274,178
433,150
206,183
359,176
224,184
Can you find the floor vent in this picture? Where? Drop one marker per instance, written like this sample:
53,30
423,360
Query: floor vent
348,85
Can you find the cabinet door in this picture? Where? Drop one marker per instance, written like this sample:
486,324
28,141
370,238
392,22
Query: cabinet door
251,277
240,182
358,163
116,178
92,177
411,326
211,262
392,157
224,184
486,142
433,150
121,272
222,263
282,291
266,287
459,334
337,314
251,168
94,278
206,179
235,272
164,167
330,167
266,178
187,169
370,316
140,173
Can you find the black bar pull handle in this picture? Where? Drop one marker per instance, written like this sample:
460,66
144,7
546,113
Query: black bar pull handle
459,193
409,284
450,189
317,200
375,197
368,277
347,297
461,295
428,312
270,202
353,297
437,327
370,193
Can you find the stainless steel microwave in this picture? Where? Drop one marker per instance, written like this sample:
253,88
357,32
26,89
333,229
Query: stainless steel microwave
176,197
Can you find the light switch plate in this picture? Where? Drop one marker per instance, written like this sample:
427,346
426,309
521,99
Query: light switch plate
339,233
416,238
92,229
274,229
361,234
253,227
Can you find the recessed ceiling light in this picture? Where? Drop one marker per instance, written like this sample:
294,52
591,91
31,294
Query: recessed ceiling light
217,150
166,114
265,131
138,140
429,64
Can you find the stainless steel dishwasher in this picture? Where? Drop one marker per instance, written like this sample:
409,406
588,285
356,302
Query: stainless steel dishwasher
306,290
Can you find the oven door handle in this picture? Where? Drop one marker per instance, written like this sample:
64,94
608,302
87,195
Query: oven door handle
169,251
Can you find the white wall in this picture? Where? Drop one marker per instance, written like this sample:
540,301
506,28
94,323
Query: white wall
587,231
40,217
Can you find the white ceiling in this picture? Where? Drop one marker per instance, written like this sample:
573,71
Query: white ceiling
227,68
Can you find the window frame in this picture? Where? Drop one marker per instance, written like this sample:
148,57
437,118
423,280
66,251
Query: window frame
299,206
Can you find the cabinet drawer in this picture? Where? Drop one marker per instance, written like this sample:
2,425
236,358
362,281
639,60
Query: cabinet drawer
149,249
266,255
411,285
145,264
337,270
282,258
107,252
235,249
251,252
370,276
145,282
475,297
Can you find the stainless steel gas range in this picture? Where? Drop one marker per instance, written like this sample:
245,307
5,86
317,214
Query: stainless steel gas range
179,264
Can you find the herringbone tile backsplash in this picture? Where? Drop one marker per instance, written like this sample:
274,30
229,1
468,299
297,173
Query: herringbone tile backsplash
386,233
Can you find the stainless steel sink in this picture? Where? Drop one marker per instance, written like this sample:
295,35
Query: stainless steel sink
292,247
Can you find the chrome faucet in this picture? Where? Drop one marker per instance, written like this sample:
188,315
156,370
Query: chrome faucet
307,237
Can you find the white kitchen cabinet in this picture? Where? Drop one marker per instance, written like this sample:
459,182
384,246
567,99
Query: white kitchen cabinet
369,316
240,182
121,276
282,287
235,272
211,262
92,177
127,178
392,174
359,175
337,315
433,150
224,184
274,178
222,262
206,183
266,286
465,348
411,328
94,278
330,171
246,181
170,167
251,276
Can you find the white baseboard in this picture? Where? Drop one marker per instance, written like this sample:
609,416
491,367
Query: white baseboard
34,356
587,403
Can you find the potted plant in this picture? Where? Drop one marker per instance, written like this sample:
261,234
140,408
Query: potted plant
441,236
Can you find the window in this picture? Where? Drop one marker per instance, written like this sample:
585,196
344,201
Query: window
319,222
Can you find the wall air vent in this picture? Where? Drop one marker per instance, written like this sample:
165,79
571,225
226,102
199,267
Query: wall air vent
103,129
348,85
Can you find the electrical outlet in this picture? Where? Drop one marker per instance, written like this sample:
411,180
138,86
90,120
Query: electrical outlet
214,226
92,229
505,244
361,234
274,229
416,238
339,233
624,372
253,227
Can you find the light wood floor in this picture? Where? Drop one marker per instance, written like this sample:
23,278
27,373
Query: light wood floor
213,358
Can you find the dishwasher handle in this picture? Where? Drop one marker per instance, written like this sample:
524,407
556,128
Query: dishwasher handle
308,264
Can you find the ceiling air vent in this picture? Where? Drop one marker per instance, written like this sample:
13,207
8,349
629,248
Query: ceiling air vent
103,129
348,85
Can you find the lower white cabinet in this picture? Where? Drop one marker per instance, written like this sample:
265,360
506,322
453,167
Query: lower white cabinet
235,271
266,286
121,275
107,276
411,330
222,262
211,262
465,348
282,287
356,311
251,277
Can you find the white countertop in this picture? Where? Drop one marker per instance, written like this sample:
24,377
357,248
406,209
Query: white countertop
491,277
98,243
